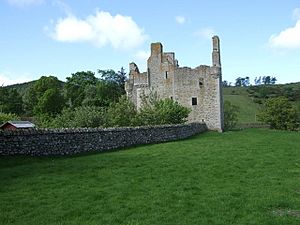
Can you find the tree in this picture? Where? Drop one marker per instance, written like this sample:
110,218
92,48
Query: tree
230,115
238,82
280,114
112,76
121,114
50,103
242,81
44,97
102,94
10,101
75,87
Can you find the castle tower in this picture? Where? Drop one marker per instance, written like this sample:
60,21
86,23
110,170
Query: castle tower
216,59
217,73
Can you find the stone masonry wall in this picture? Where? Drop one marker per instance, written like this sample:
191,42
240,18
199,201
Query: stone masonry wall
45,142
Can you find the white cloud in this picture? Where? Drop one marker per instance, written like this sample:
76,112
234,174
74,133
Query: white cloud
8,79
287,39
142,55
296,14
180,19
21,3
121,32
206,33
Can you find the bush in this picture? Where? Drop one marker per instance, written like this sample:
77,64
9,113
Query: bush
163,111
121,114
83,116
4,117
230,115
280,114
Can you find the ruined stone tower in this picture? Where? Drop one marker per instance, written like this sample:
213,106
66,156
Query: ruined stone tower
199,89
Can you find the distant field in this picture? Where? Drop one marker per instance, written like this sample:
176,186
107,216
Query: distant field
242,177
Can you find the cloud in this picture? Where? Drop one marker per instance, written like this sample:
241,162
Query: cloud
8,79
296,14
287,39
101,29
21,3
180,19
206,33
142,55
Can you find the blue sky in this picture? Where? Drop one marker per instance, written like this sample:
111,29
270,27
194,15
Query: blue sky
60,37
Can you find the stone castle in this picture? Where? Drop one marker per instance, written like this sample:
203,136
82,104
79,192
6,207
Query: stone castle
199,89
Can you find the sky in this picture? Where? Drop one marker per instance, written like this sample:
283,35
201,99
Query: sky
61,37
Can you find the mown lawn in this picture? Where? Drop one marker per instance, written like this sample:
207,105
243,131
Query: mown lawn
241,177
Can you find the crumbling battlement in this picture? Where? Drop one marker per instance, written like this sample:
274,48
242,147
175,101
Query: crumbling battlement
199,89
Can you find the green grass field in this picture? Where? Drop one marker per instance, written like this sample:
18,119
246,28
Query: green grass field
242,177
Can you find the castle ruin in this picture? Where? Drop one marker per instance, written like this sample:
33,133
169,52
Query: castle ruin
199,89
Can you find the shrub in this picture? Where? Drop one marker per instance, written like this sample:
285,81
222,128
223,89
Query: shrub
121,114
83,116
163,111
4,117
230,115
280,114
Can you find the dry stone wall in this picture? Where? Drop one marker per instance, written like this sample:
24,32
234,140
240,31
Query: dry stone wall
46,142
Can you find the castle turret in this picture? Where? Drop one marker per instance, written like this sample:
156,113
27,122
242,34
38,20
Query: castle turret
216,59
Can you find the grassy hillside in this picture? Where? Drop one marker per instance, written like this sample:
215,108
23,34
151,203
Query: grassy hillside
239,97
244,177
248,98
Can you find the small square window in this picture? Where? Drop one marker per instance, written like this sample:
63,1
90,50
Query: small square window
194,101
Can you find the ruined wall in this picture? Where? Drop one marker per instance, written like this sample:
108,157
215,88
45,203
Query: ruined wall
199,88
72,141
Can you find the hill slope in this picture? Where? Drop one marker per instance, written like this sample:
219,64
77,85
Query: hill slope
250,99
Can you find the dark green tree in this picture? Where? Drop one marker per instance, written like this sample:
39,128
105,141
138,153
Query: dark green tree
50,103
76,85
44,97
10,101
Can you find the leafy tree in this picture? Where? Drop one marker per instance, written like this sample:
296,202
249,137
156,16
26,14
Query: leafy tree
50,103
273,80
75,87
230,115
122,114
111,76
10,101
225,83
102,94
242,81
4,117
266,80
280,114
257,80
44,96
